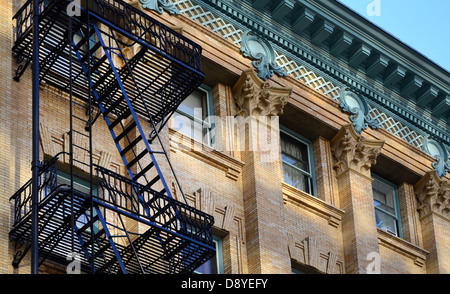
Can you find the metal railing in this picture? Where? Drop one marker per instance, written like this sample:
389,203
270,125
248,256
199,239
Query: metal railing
153,207
137,25
48,183
121,194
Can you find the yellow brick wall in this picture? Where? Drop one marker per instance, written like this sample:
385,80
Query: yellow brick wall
264,224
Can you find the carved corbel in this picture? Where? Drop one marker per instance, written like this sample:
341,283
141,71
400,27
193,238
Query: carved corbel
255,97
353,151
433,195
159,6
262,54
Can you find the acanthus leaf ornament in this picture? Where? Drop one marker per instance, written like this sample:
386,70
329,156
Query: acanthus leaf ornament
352,151
255,97
432,195
160,6
440,153
262,54
358,109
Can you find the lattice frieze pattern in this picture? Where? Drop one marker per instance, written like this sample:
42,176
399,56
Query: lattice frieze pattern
294,68
397,128
209,20
308,77
234,34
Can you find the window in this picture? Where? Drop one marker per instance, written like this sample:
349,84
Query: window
297,161
80,186
215,264
192,118
385,200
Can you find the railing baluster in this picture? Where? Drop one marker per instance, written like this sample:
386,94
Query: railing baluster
127,200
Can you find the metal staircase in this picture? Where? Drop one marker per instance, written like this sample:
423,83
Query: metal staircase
109,93
123,224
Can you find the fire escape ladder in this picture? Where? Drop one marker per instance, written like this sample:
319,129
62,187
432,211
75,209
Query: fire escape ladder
106,251
117,62
119,113
121,122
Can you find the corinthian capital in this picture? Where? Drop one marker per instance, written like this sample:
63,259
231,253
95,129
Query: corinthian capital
432,194
353,151
255,97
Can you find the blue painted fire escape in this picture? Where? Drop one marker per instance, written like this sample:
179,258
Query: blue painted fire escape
124,224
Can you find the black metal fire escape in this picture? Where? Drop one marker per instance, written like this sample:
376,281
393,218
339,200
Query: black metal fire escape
87,56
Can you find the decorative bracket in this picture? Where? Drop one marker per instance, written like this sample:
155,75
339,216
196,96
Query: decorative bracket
255,97
358,109
353,151
440,153
24,61
263,55
433,195
159,6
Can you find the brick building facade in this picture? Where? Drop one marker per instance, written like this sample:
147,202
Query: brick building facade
354,189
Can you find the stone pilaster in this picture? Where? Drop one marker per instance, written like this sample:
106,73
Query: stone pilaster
354,155
325,179
433,205
259,104
409,216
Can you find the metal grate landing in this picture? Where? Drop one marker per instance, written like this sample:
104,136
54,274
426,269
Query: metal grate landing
167,65
131,233
134,70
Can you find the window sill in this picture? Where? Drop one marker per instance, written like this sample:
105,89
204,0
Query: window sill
313,204
403,247
230,165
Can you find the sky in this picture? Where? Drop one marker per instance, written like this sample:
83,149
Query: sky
422,24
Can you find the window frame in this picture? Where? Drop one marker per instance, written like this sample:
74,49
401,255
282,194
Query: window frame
204,122
308,143
77,180
397,215
219,255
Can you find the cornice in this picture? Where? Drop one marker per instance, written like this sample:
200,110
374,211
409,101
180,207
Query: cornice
329,66
384,41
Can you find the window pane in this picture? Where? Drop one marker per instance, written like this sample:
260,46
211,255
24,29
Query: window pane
384,199
296,178
386,221
383,196
192,102
193,129
191,115
206,268
212,266
295,152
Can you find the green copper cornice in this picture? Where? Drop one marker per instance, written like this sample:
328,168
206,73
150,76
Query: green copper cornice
347,60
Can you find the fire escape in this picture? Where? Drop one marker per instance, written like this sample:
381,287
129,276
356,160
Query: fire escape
119,224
